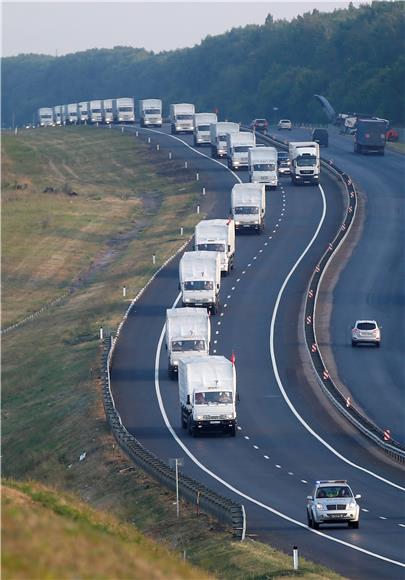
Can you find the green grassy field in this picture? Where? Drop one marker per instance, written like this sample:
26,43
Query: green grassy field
129,203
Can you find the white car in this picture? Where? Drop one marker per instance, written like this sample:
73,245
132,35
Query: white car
366,332
284,124
332,502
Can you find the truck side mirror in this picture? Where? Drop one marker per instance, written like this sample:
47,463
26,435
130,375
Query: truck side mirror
188,399
229,247
218,286
179,286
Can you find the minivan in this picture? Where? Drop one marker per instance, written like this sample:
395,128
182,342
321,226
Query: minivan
321,136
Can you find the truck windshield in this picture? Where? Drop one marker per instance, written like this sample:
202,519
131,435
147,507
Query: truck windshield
184,117
46,116
96,110
203,127
182,345
264,167
213,398
245,209
108,110
211,247
198,285
125,109
307,160
152,111
242,148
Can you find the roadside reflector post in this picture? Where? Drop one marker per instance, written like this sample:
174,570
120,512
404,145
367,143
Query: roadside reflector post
154,258
198,209
203,191
181,231
124,291
136,133
122,129
197,176
148,139
170,154
157,147
101,333
185,164
295,558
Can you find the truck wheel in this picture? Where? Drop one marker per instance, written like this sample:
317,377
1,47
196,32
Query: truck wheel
183,421
233,431
191,429
309,520
315,525
172,374
353,525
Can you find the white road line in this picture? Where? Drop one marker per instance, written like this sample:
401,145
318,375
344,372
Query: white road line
228,296
247,437
278,466
382,518
304,481
255,447
233,288
402,525
266,456
238,279
364,510
291,473
225,305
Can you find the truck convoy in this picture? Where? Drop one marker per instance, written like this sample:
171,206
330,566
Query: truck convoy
95,113
188,333
202,132
305,162
182,118
150,112
248,206
217,235
200,279
124,110
237,147
45,117
57,115
218,133
263,166
207,392
107,111
370,136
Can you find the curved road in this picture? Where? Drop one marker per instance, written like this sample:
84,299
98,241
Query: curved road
273,461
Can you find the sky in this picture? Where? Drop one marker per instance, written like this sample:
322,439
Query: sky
58,28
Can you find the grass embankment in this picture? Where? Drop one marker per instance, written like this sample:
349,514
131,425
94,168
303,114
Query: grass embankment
129,204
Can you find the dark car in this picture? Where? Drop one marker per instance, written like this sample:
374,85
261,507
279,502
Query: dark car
321,136
283,162
260,125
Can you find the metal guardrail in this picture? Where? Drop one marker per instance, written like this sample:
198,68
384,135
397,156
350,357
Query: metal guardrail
380,437
223,509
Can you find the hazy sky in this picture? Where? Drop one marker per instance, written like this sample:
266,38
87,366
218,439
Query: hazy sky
64,27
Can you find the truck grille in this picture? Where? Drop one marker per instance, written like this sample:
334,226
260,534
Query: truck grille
307,172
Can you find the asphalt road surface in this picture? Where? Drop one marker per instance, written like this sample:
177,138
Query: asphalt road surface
288,436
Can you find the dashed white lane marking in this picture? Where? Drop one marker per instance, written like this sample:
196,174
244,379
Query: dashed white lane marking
266,243
304,481
274,231
238,279
243,271
217,332
278,466
382,518
279,219
225,305
276,225
228,296
364,510
401,525
215,341
266,456
221,314
255,257
270,237
260,251
233,288
240,428
214,351
247,437
249,265
255,447
291,473
219,323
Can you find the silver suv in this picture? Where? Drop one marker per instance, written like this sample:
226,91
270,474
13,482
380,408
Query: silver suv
284,124
332,502
367,332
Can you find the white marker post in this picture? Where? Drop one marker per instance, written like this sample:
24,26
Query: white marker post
153,258
101,333
177,462
181,231
198,209
124,291
295,558
185,164
148,139
157,147
203,190
197,176
170,154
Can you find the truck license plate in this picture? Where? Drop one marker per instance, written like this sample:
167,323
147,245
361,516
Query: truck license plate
215,422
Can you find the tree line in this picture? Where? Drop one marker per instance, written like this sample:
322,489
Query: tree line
355,57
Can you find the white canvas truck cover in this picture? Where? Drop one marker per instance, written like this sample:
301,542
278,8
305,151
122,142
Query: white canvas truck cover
199,266
187,324
249,195
216,235
206,373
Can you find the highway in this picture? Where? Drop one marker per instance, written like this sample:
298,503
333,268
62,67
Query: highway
288,436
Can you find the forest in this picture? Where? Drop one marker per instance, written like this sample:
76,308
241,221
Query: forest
355,57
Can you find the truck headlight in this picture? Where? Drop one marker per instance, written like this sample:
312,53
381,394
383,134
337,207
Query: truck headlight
320,507
256,222
200,417
237,223
352,505
230,416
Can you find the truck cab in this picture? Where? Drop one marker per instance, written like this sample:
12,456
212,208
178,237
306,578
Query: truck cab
182,118
263,166
202,132
217,235
150,112
305,162
218,132
248,206
238,145
200,279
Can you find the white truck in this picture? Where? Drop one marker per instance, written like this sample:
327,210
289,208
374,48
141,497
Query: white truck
83,112
57,115
207,392
107,111
305,162
188,333
248,206
202,133
70,114
150,112
124,110
182,118
217,235
200,279
263,166
237,147
45,117
218,133
94,111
